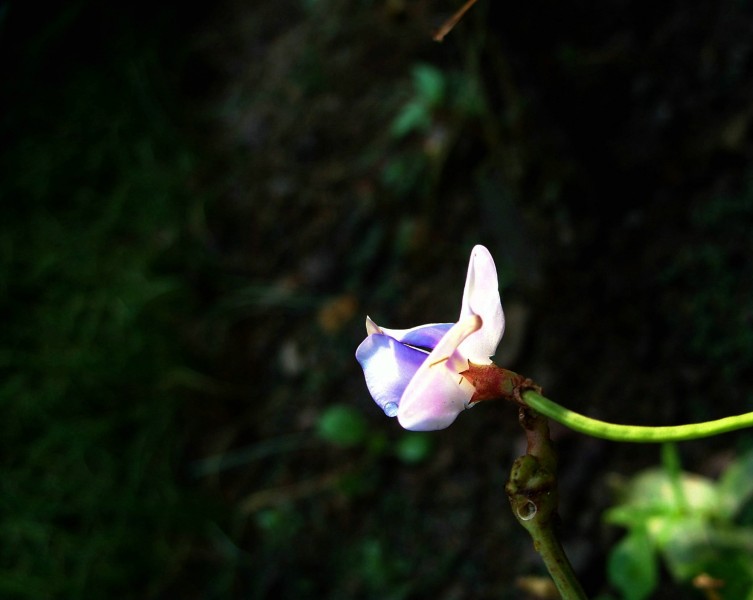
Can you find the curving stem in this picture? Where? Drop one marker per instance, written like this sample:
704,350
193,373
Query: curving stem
494,383
532,490
633,433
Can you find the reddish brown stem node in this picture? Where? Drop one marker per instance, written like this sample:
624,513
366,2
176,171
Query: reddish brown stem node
492,383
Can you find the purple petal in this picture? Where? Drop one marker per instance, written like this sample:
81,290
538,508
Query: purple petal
437,394
388,367
422,336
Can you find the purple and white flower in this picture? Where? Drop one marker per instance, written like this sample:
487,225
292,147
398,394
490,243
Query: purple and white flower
415,374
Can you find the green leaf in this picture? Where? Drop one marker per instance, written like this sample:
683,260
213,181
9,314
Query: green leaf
414,448
414,116
343,426
631,566
684,545
694,548
736,485
430,85
652,493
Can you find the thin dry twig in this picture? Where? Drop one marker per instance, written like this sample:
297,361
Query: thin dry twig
447,26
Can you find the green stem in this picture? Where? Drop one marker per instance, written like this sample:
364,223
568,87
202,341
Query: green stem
549,548
532,490
670,458
633,433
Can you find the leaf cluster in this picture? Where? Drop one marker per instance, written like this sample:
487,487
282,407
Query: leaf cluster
698,528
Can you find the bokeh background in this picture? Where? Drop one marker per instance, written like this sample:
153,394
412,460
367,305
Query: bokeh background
200,204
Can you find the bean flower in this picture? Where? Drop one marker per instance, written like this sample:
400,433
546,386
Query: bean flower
416,374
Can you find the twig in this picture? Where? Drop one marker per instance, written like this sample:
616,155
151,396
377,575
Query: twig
532,490
447,26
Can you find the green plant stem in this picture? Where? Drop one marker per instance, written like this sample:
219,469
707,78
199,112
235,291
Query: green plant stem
633,433
532,490
670,458
550,549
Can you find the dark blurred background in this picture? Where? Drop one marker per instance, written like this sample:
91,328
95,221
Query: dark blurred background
201,203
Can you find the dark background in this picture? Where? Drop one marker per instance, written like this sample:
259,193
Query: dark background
201,204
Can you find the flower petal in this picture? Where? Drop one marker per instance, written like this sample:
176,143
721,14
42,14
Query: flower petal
481,297
388,367
372,327
422,336
438,393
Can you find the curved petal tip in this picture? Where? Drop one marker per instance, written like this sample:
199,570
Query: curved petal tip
372,327
481,297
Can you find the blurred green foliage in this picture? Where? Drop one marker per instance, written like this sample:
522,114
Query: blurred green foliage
441,103
96,210
414,448
434,92
344,426
356,162
698,527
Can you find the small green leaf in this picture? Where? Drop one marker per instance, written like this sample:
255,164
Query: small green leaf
342,425
414,116
414,448
653,492
430,85
736,485
632,567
